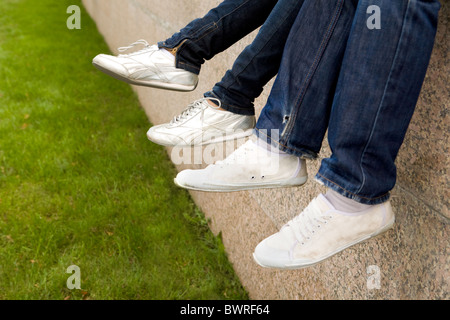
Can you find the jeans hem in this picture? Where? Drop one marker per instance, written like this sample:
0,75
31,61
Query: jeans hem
336,187
298,152
180,64
230,107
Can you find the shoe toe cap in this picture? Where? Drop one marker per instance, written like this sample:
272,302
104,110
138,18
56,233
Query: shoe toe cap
160,135
110,63
191,179
183,176
268,256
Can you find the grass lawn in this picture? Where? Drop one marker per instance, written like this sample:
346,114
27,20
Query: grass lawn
81,185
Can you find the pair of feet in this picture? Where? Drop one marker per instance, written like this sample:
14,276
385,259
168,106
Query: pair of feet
317,233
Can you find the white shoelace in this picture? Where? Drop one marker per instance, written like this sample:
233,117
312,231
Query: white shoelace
308,222
193,109
131,46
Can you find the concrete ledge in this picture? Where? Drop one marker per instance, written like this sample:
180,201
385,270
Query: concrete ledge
412,259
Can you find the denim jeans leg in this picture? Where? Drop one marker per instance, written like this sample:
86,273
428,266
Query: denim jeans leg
220,28
258,63
378,88
295,117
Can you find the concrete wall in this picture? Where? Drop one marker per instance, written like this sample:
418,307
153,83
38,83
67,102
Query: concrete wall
412,258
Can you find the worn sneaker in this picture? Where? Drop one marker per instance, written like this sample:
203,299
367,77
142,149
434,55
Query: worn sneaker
200,124
251,166
147,67
319,232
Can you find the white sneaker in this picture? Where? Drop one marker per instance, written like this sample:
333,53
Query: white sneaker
248,167
147,67
319,232
202,124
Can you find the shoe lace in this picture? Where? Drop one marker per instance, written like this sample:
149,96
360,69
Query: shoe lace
193,109
305,225
139,42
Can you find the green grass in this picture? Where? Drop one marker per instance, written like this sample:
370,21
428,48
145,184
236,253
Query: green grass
80,184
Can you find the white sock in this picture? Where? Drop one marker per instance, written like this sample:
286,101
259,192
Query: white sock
345,204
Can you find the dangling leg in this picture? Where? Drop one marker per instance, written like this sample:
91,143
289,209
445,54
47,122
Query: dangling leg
227,112
377,91
304,87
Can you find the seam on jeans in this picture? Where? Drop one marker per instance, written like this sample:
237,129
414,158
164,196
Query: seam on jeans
259,51
383,98
277,142
188,64
234,10
214,23
210,30
353,194
211,27
208,26
329,31
307,156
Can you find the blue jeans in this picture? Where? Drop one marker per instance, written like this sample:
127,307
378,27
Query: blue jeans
360,84
225,25
335,73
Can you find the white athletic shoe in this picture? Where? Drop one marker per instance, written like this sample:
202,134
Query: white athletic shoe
202,124
147,67
251,166
319,232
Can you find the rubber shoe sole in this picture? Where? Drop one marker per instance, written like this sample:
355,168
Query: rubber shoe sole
295,182
152,84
